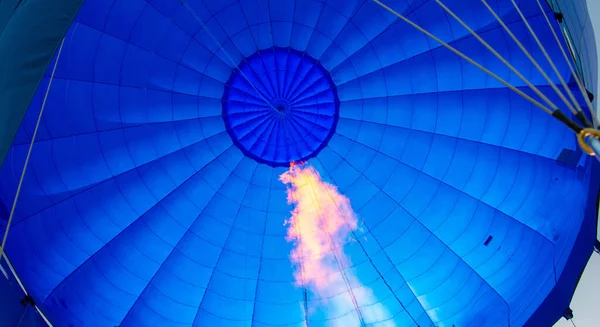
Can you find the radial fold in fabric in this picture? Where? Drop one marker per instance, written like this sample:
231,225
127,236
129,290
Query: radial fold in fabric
154,194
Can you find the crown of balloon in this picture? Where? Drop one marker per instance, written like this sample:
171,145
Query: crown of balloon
280,106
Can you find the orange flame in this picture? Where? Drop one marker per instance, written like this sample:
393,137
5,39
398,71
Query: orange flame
322,220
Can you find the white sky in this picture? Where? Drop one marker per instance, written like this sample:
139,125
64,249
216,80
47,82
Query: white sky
585,304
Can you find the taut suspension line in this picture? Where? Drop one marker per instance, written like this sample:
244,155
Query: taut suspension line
588,137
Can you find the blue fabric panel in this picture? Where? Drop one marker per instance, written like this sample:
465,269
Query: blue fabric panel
28,42
12,312
553,306
7,10
153,194
10,295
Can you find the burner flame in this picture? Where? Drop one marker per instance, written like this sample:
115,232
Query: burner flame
322,222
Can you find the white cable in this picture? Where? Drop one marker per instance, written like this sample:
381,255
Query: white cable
499,56
37,125
575,75
533,61
550,61
14,273
23,316
334,251
465,57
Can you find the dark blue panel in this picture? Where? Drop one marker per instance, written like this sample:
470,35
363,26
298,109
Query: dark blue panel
153,195
7,10
13,310
280,106
27,47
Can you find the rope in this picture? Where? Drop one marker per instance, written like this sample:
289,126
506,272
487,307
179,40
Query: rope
23,315
499,56
575,75
14,274
35,131
465,57
582,133
387,284
550,61
334,251
533,61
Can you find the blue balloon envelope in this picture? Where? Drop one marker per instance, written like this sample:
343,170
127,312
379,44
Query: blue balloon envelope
153,197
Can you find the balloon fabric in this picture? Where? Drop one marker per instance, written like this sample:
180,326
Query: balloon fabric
422,192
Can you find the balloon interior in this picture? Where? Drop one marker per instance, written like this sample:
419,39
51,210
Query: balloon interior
298,163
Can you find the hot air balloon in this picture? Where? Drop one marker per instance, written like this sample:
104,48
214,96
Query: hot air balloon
295,163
